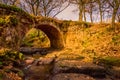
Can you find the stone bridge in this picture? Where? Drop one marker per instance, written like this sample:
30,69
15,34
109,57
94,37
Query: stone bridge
15,23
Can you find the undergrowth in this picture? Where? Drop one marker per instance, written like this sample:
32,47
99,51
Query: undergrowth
7,56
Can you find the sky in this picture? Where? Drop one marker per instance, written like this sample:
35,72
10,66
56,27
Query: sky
68,14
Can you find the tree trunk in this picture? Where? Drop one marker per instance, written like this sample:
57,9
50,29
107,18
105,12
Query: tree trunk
91,11
113,17
80,13
115,9
100,9
118,18
100,15
91,17
33,10
84,13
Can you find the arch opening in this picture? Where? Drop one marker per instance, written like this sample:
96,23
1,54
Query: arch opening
54,35
36,38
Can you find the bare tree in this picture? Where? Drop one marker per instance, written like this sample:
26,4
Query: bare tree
84,12
102,6
115,4
47,8
53,7
80,4
31,6
83,8
90,8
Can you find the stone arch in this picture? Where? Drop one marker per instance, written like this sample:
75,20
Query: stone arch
53,33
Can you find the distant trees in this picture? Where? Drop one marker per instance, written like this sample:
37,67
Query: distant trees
89,10
102,9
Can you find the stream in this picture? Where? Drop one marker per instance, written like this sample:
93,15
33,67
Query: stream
37,72
38,67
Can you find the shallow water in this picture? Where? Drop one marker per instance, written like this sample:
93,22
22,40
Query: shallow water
38,72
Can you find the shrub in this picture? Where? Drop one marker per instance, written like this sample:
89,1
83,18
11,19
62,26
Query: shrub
13,20
9,20
8,54
2,21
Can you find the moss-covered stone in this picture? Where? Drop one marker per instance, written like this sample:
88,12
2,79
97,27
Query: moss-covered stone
10,20
13,9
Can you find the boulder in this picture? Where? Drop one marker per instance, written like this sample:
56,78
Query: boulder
28,50
80,68
29,60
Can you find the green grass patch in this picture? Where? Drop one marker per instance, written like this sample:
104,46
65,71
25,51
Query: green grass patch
108,61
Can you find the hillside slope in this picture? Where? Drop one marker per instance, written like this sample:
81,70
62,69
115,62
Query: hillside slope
96,40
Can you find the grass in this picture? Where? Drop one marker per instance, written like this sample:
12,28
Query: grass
108,61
